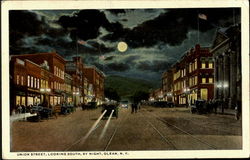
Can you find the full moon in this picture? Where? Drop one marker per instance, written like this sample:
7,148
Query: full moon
122,46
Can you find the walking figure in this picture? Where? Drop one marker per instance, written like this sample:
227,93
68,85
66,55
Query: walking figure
134,108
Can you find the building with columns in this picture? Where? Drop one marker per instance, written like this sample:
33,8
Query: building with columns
226,50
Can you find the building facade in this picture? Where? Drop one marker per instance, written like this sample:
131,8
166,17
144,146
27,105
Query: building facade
96,83
227,56
36,78
193,76
75,69
167,85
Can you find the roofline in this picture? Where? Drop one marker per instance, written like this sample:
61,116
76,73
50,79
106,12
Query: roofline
94,67
218,46
32,54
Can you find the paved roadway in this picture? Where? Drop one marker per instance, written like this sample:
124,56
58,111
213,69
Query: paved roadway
148,129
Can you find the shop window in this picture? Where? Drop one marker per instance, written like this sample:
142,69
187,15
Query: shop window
28,83
204,93
210,80
203,80
51,100
18,100
203,64
30,100
23,100
210,65
17,79
55,100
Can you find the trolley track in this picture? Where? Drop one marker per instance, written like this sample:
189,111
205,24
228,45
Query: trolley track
180,130
114,132
99,126
166,139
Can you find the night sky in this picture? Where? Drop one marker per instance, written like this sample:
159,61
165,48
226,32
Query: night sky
156,38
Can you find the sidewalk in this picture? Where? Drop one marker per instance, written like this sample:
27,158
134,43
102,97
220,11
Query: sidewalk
227,111
20,116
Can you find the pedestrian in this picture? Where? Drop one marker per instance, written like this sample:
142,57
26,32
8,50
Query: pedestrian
19,109
134,108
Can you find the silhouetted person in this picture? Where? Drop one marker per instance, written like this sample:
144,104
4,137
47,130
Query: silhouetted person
134,108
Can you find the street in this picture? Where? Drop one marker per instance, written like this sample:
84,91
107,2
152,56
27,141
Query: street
148,129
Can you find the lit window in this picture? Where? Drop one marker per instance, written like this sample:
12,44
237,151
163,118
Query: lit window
34,82
203,65
22,80
203,80
210,80
17,79
38,83
31,82
210,65
28,83
195,64
51,85
46,84
190,69
195,80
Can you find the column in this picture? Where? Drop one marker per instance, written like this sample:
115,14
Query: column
215,77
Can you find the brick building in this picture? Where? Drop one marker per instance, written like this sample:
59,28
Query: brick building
193,76
156,95
37,78
167,85
96,78
68,87
75,69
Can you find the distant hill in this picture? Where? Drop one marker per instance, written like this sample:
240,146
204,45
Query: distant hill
126,87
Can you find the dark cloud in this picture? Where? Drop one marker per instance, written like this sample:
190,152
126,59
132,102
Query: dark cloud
131,59
86,24
118,66
154,66
109,58
172,26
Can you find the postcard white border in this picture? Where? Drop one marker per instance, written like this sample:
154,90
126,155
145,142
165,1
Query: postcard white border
111,4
